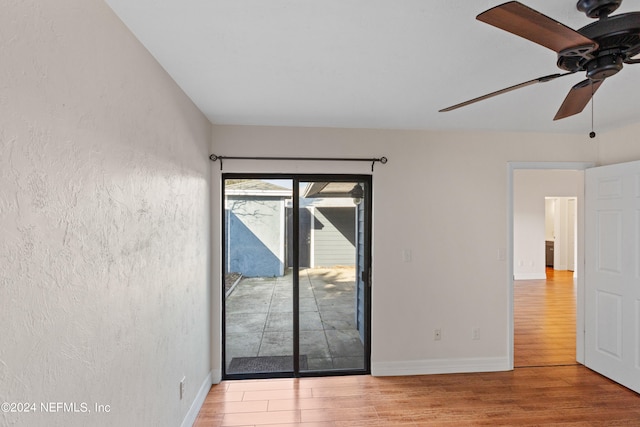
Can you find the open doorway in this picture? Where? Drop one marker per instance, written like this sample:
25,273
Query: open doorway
545,309
560,225
529,185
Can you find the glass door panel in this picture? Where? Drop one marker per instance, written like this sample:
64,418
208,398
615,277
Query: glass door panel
258,281
328,291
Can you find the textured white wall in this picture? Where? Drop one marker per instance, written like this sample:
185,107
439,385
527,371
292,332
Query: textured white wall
104,218
442,195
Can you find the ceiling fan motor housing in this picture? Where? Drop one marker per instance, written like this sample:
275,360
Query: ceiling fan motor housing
618,39
604,66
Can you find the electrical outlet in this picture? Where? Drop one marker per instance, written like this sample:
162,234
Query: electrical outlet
437,334
475,333
182,381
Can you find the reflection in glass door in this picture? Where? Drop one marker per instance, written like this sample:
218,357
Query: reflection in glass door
296,271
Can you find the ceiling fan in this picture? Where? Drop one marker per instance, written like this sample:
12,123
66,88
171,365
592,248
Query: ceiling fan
600,48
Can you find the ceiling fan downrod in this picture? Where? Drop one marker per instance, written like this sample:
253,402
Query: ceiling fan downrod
598,9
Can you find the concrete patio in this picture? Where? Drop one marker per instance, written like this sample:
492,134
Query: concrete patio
259,319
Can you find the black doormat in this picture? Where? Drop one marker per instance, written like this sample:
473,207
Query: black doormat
253,365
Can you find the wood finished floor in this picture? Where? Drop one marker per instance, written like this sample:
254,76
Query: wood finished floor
544,321
547,389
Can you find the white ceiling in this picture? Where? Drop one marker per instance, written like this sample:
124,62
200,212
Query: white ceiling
368,64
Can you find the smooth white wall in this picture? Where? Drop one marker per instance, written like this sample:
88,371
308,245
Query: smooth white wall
442,195
620,145
565,236
549,218
104,218
530,187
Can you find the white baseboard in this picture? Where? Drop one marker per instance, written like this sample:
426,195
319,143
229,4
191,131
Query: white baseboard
440,366
529,276
191,416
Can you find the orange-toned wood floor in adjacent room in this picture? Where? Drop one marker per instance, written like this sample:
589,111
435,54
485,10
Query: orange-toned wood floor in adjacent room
544,320
546,388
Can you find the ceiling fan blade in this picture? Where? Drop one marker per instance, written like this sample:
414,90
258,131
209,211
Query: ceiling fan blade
577,98
523,21
505,90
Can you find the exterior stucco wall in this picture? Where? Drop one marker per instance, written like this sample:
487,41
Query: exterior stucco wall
255,236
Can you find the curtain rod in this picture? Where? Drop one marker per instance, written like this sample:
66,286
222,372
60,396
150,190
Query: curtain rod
373,161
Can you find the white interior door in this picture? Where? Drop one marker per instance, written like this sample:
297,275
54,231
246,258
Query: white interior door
612,272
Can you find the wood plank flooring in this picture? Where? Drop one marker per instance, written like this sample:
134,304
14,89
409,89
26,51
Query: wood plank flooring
536,394
545,320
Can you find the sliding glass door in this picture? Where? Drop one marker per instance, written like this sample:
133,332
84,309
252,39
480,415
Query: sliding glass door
296,271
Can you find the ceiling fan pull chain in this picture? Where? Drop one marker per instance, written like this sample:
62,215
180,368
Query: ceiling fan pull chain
592,134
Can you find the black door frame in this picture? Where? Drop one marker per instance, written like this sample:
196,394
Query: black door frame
366,276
